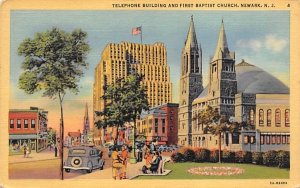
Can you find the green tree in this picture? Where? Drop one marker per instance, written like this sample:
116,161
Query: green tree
51,136
53,62
136,101
124,101
216,124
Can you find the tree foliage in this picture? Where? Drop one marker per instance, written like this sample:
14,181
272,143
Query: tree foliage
124,101
53,63
51,136
217,124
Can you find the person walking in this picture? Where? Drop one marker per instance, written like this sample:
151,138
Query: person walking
125,156
117,164
25,148
27,151
55,151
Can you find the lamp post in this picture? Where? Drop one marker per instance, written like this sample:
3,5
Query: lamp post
132,155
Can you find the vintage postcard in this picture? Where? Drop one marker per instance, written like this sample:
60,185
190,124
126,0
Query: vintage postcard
140,93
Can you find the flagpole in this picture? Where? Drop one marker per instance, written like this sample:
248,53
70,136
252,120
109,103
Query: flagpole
141,35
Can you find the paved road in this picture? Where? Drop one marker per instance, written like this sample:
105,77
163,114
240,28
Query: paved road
46,169
49,169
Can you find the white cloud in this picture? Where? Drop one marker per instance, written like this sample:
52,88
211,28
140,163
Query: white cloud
275,44
270,42
253,44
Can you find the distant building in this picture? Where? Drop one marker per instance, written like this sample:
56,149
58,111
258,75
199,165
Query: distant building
159,124
27,127
119,60
73,139
86,126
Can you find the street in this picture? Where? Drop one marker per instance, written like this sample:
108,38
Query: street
47,169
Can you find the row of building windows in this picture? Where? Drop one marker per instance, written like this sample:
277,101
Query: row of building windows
261,117
19,123
268,139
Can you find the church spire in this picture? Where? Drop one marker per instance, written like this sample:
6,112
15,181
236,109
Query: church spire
191,39
222,50
86,121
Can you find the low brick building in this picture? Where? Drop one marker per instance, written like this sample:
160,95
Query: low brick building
27,127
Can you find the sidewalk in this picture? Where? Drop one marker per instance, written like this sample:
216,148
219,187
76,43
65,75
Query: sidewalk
43,155
133,170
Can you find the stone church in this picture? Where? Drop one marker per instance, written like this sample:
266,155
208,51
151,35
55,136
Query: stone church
240,91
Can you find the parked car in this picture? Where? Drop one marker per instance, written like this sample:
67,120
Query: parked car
162,148
84,158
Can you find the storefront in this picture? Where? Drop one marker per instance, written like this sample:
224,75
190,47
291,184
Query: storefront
18,142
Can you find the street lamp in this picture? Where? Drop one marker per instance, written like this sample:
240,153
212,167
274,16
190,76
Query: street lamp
132,155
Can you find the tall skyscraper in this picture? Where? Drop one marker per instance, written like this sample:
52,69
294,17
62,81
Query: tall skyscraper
190,83
118,60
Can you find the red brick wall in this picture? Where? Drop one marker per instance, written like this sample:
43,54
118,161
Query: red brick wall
22,115
172,124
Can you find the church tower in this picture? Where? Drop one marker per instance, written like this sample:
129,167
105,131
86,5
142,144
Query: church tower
190,84
86,121
222,77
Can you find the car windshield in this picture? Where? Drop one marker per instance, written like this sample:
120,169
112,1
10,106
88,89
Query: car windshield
77,151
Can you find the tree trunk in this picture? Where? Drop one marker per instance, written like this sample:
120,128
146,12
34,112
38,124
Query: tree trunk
219,137
61,139
117,135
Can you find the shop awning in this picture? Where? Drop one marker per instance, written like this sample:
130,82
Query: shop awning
22,136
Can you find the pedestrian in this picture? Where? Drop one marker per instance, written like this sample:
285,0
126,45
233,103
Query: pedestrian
148,160
125,156
24,148
55,151
117,163
155,162
27,152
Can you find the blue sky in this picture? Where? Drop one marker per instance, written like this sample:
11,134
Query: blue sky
259,37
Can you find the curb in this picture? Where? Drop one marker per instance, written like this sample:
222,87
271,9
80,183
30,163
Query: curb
164,174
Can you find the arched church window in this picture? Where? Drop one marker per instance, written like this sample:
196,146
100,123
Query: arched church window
261,117
277,117
269,117
287,118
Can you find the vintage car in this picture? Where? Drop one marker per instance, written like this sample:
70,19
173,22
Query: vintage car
84,158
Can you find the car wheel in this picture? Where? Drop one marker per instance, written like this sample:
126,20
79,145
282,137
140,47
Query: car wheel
67,170
90,166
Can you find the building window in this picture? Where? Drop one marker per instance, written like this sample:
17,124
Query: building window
33,123
267,139
11,124
278,139
287,118
246,139
269,117
261,117
252,117
288,139
252,139
25,123
283,139
163,125
273,139
18,124
262,139
156,126
277,117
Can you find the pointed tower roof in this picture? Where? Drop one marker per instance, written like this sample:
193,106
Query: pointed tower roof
86,121
222,50
191,39
86,114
